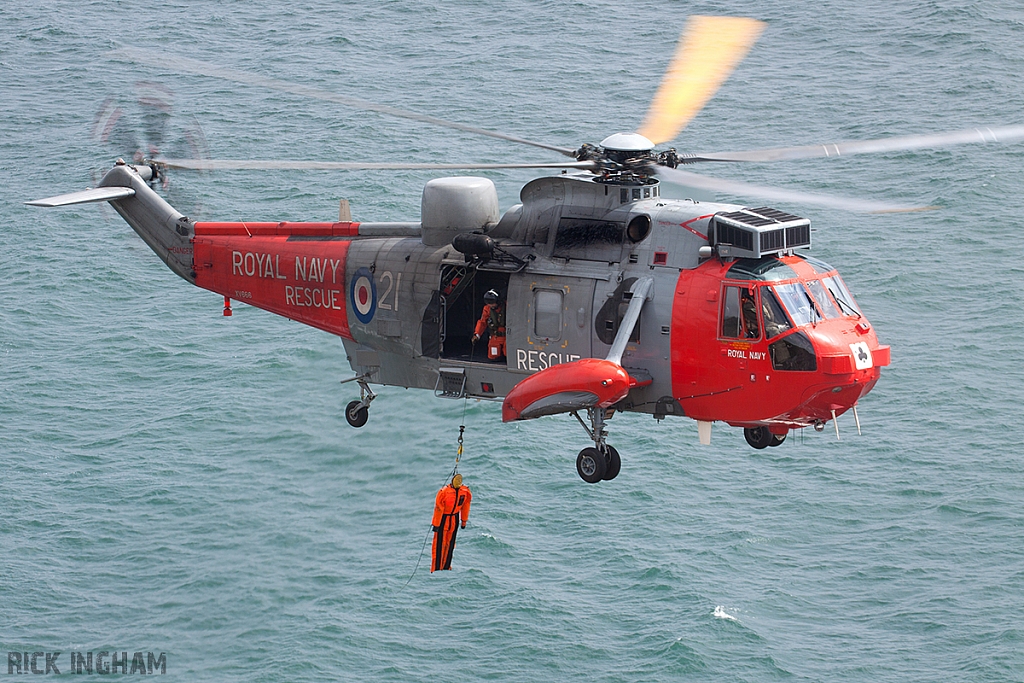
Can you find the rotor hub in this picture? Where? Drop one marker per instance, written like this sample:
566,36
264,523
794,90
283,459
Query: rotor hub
634,143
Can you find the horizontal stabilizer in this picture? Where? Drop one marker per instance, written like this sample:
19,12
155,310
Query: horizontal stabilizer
98,194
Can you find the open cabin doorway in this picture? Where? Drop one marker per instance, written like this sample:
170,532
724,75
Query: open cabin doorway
462,302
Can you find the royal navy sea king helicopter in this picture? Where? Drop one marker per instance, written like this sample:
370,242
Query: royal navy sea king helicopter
615,298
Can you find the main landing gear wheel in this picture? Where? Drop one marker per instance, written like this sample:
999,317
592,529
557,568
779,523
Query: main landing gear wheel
356,413
777,439
612,464
758,437
600,461
591,465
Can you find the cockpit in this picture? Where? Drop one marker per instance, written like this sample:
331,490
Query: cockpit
780,296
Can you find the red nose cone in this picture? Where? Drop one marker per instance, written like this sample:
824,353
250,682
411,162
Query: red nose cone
849,367
585,383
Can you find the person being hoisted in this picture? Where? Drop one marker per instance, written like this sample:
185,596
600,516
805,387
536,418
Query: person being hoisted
451,510
492,319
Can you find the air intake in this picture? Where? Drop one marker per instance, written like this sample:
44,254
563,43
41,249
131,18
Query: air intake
753,233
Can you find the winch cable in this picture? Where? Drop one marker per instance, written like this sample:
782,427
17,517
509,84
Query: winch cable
455,470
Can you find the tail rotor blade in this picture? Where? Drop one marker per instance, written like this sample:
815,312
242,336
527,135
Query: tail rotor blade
709,50
155,104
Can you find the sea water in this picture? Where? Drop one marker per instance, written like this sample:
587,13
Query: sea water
178,482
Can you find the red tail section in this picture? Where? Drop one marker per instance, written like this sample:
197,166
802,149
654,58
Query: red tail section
293,269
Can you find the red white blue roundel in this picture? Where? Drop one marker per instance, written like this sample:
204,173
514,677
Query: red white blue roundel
363,294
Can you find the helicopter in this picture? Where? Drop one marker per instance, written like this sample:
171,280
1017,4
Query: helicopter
603,295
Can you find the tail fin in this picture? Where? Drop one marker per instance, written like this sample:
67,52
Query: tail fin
165,230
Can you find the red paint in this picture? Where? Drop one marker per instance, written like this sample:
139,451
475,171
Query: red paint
733,379
261,270
285,228
606,381
634,382
694,220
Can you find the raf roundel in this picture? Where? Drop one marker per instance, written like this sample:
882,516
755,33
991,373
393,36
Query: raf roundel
363,293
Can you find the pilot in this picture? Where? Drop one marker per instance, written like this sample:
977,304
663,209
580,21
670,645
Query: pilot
751,330
451,506
772,326
492,319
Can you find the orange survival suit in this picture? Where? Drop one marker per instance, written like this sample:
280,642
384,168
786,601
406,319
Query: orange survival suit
492,319
451,504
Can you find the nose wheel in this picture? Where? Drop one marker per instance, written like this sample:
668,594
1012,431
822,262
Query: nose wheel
599,462
758,437
761,437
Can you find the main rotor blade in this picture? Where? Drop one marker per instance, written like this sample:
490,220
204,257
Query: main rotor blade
194,66
898,144
709,50
735,187
262,165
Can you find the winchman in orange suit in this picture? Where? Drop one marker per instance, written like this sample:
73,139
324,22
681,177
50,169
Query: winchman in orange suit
451,510
493,320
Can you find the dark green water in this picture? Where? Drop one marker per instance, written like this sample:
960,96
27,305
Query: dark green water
175,481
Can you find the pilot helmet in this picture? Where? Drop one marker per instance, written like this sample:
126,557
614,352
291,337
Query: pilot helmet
492,297
457,481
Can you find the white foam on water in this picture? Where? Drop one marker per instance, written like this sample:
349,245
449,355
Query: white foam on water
720,613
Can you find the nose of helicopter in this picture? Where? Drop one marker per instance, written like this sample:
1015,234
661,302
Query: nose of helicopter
849,364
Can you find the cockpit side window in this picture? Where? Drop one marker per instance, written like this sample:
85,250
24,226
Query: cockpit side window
739,314
793,352
824,301
748,306
731,313
775,320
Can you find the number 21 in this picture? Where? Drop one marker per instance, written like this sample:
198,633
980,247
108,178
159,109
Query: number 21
392,284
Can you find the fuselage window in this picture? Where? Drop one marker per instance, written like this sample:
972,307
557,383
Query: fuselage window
547,314
739,314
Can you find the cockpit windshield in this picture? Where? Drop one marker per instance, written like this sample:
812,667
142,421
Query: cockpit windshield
823,300
798,302
818,297
842,295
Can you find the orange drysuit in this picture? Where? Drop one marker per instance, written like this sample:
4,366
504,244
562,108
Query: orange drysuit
492,319
450,505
